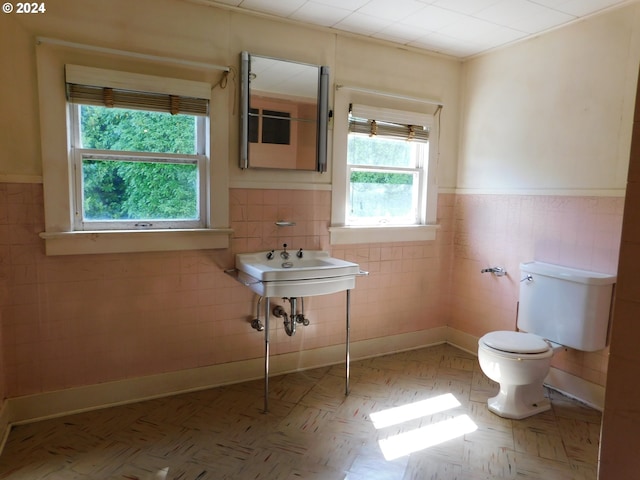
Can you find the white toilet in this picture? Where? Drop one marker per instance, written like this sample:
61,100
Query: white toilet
559,306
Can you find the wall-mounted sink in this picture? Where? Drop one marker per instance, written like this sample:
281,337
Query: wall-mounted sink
290,275
316,273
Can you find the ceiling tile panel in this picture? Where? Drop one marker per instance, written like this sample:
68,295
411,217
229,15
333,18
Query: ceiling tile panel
392,10
460,28
320,14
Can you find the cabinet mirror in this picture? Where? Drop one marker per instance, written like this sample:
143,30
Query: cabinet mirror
283,114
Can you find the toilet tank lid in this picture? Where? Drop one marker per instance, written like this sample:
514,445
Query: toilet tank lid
515,342
567,273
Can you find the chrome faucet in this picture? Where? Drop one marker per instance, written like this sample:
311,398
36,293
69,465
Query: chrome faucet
284,254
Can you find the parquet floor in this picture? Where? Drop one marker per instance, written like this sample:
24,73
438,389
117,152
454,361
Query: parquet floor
415,415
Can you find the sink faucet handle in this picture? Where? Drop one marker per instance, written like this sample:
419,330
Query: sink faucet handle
270,254
299,254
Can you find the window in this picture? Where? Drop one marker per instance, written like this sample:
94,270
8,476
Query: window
127,158
385,177
389,187
139,159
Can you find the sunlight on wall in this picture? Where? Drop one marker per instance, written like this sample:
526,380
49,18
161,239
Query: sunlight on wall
401,444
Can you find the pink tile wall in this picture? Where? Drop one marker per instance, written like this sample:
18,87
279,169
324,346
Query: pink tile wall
504,230
255,211
403,292
91,319
77,320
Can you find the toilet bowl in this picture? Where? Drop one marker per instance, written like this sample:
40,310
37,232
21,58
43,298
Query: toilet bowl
519,362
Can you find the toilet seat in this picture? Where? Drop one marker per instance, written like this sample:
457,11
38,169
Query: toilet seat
515,343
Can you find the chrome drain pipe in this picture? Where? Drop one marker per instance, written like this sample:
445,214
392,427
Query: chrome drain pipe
256,323
289,324
294,317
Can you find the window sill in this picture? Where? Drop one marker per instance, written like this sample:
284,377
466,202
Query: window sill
121,241
408,233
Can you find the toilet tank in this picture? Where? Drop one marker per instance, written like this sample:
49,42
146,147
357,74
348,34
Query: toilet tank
565,305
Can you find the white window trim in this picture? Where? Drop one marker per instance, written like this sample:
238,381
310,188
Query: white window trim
60,236
384,234
119,241
342,234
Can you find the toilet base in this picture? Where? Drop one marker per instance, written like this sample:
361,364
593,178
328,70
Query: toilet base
519,401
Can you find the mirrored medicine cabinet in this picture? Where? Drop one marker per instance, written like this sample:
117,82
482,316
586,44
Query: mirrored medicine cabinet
284,110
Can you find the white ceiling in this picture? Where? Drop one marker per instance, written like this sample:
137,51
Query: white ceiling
460,28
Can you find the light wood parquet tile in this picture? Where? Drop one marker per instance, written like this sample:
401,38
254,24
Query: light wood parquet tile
313,431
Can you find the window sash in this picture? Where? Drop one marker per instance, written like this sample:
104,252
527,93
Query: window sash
76,140
418,200
80,223
420,170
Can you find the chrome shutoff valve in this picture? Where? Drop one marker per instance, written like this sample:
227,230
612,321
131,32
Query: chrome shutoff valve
257,324
497,271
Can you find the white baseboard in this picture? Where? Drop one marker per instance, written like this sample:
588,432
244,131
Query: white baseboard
463,341
30,408
575,387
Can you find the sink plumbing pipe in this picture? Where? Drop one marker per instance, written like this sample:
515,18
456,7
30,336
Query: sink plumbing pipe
256,323
294,318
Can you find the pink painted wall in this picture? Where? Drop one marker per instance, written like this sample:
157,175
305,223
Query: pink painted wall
505,230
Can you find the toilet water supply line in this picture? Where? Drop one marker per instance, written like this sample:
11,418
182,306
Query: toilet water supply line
497,271
501,272
256,323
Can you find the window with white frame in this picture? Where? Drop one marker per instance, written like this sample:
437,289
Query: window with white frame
387,160
138,151
384,169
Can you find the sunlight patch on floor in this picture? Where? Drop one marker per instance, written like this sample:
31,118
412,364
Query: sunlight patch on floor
399,445
402,444
411,411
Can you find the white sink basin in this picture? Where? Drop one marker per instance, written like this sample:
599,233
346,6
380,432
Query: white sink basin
316,273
